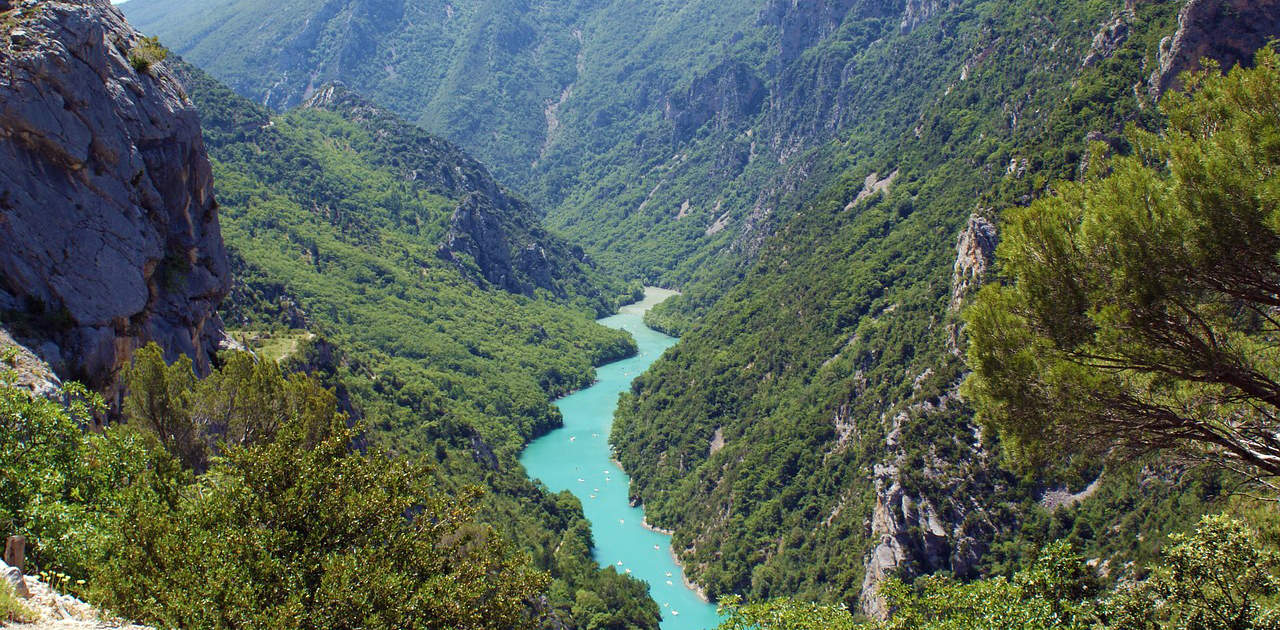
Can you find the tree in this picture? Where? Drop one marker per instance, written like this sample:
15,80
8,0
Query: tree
56,480
245,401
785,614
1141,304
291,527
159,400
1218,576
1050,594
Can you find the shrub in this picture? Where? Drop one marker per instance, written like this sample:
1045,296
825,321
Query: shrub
147,53
290,526
12,609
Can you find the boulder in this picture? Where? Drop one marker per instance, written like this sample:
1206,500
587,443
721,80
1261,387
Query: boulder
14,577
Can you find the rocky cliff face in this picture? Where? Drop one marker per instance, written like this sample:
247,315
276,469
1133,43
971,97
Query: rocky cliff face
801,23
476,231
492,236
948,529
1229,31
107,215
975,248
730,94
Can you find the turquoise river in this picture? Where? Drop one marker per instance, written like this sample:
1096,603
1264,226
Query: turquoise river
577,458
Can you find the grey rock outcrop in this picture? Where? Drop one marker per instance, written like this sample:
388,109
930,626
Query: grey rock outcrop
730,94
475,230
918,12
1110,36
16,582
943,521
1228,31
975,249
30,371
803,22
107,215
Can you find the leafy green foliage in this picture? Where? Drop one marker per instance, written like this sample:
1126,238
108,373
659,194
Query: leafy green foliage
784,614
1050,594
12,608
245,401
1138,309
56,481
1130,511
1221,575
1217,576
291,527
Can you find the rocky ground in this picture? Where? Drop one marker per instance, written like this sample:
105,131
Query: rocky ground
55,611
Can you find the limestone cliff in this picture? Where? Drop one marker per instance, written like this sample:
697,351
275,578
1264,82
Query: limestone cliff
107,215
492,236
975,247
1228,31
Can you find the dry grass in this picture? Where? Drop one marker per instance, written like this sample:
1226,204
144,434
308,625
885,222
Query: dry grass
272,346
12,608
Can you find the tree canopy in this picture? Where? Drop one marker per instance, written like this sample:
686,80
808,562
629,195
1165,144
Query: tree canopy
1140,304
243,500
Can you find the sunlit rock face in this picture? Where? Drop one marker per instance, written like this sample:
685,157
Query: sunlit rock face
107,217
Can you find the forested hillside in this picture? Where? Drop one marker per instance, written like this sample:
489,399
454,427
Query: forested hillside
665,137
806,436
390,265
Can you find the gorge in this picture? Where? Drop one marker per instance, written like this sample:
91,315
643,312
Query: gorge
404,253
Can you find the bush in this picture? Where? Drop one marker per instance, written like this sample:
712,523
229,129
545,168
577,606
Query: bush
56,480
291,526
12,610
785,614
147,53
1219,576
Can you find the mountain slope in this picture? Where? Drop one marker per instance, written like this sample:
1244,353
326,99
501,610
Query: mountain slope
581,106
806,436
346,221
482,70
